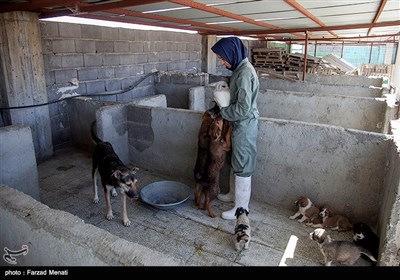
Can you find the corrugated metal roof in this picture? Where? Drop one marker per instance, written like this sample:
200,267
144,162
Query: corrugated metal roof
276,19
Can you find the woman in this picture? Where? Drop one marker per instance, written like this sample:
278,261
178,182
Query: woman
241,111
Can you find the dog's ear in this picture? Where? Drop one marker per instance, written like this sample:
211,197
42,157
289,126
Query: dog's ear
116,174
237,213
134,169
247,212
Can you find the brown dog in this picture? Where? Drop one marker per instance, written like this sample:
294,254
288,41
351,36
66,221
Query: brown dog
333,221
203,145
309,212
207,186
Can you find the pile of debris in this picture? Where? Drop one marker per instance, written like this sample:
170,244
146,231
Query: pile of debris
290,65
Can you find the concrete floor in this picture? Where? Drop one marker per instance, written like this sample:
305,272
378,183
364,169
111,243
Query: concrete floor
185,233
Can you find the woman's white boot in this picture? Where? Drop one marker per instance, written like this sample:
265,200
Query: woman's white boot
242,196
230,196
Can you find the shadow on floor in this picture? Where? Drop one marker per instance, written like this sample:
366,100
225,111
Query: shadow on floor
185,232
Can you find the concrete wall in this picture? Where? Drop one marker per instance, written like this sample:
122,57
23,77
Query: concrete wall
316,88
363,113
26,221
94,60
389,224
18,167
348,80
329,164
83,111
175,86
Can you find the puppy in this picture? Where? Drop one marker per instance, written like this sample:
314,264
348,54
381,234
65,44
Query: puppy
333,221
242,229
309,212
364,236
343,252
113,174
220,142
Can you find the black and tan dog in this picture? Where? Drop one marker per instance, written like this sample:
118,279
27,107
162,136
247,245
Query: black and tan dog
114,174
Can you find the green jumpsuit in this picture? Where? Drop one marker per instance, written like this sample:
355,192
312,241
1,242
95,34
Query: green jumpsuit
243,115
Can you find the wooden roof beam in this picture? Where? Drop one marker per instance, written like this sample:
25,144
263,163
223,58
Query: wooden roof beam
378,14
308,14
89,8
312,29
35,5
223,13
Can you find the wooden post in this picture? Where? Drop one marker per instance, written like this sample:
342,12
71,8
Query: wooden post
23,79
305,57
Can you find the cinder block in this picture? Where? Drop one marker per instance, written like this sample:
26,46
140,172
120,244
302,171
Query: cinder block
141,58
111,60
164,56
49,29
126,34
52,61
122,71
136,70
105,73
63,46
91,31
72,60
121,46
141,35
69,30
85,46
127,59
137,47
90,60
95,87
113,85
150,67
64,76
152,57
87,74
109,33
104,46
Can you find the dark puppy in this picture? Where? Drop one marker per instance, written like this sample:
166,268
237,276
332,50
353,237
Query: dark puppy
242,229
207,186
364,236
113,174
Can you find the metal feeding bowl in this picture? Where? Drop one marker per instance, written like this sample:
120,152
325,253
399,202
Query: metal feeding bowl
165,194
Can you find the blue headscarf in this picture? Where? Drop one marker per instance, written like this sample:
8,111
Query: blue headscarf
230,49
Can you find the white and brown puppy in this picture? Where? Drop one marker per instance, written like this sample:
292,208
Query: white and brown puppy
341,251
242,229
309,212
333,221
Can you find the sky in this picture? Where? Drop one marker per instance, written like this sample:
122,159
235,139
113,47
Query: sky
112,24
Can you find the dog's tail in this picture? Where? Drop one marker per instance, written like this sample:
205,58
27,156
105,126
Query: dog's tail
93,133
368,254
